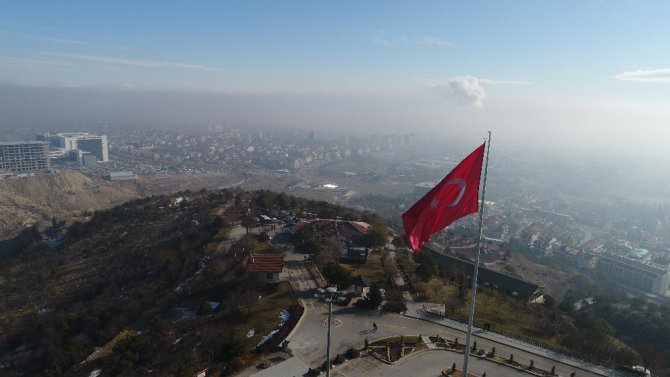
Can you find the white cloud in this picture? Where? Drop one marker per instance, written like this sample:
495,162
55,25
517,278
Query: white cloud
385,40
14,61
135,62
466,90
59,40
646,75
41,38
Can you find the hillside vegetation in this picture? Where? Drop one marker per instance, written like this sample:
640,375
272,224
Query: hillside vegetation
131,290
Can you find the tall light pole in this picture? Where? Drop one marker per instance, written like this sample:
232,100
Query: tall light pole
330,293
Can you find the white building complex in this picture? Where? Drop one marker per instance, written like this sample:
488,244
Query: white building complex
24,156
82,141
646,277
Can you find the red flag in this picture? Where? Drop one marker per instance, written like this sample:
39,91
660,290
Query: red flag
455,196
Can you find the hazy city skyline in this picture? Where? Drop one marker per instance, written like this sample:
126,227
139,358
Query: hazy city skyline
582,75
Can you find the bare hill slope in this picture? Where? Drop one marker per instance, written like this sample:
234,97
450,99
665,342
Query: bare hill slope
64,195
67,195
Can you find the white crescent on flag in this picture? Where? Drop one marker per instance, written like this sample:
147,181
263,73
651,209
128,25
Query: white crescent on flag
461,183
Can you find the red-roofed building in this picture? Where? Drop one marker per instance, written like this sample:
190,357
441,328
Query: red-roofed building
266,266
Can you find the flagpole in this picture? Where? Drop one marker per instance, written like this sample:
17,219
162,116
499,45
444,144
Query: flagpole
474,275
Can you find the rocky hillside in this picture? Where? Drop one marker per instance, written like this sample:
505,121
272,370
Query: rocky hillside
70,195
65,195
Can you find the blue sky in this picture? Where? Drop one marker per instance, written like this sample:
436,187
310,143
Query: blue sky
570,48
469,59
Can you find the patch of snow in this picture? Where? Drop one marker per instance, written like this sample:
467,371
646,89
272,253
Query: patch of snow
284,315
184,314
95,373
251,333
214,304
267,337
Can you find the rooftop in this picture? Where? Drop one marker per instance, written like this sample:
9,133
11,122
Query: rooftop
266,263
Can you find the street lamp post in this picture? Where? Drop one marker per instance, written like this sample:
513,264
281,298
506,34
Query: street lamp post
330,293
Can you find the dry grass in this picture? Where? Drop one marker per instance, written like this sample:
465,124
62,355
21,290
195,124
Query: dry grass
264,316
373,269
505,314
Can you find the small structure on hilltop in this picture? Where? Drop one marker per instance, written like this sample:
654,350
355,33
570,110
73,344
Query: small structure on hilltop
266,266
122,176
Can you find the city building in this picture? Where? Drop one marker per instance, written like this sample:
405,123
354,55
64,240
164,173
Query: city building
87,159
122,176
647,277
24,156
67,141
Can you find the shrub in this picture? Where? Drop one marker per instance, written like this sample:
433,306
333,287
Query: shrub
352,353
339,359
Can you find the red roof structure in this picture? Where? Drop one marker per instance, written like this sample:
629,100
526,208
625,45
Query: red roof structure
266,263
323,224
360,226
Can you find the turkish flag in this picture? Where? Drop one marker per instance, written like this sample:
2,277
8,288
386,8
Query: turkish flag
455,196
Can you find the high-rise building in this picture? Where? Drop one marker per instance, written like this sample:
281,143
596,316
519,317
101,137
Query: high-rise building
24,156
84,141
643,276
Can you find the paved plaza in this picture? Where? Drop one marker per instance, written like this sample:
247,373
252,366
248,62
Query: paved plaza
351,326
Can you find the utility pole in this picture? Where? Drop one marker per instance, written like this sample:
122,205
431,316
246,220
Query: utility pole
330,293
